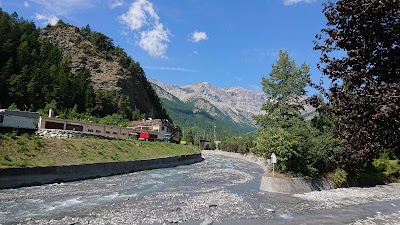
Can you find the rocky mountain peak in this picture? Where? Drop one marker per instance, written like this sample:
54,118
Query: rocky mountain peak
105,71
109,66
236,102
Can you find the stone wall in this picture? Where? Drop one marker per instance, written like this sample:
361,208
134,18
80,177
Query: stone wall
294,185
54,133
20,177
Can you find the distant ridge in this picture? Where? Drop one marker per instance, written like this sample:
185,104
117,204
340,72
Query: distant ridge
231,107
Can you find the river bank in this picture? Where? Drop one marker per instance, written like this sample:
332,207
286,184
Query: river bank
33,151
219,190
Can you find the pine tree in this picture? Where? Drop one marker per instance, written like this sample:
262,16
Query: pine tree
285,86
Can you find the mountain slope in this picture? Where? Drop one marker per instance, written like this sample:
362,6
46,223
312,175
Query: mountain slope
109,66
203,105
236,102
233,107
200,116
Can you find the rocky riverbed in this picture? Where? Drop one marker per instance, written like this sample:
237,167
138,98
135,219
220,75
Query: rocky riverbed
219,190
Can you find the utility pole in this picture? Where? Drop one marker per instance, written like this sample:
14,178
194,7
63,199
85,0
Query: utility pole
215,136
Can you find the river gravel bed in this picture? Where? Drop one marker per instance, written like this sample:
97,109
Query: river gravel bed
392,219
335,198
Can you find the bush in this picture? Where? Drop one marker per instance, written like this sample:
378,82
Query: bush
389,168
240,145
339,177
297,150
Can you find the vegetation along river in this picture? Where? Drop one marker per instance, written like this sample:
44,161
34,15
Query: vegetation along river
219,190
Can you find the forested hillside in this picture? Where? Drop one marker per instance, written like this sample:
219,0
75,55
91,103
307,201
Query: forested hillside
39,68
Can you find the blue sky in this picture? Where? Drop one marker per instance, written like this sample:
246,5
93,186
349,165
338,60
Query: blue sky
179,42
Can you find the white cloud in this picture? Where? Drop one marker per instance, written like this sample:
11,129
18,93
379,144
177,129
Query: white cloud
199,36
48,18
115,3
154,41
142,19
178,69
294,2
26,4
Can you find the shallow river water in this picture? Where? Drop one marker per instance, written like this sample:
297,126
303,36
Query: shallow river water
219,190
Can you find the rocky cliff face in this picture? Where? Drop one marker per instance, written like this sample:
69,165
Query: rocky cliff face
106,69
105,73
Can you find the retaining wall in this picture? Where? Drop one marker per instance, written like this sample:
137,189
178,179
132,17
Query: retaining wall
20,177
294,185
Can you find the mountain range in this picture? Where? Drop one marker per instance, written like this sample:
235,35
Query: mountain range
200,106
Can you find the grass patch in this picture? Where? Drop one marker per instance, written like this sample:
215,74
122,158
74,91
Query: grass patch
35,151
23,149
7,158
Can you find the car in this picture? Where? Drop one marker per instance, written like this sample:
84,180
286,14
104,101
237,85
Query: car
167,137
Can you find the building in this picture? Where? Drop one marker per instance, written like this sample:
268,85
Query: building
157,129
88,128
18,121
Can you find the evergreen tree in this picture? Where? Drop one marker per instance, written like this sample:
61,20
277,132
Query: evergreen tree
189,136
282,129
285,86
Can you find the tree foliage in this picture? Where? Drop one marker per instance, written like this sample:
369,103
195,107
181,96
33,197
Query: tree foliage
360,53
241,144
300,147
190,137
284,86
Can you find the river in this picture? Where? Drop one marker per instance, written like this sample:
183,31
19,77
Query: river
219,190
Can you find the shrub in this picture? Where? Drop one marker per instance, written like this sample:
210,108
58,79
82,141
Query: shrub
339,177
23,148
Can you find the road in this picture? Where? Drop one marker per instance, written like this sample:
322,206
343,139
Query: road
219,190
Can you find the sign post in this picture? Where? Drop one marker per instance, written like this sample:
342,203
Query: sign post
273,161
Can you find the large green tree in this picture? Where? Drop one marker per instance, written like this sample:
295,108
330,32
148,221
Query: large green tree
285,87
360,53
283,131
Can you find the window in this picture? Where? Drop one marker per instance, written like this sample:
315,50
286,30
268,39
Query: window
1,118
124,134
162,128
74,127
115,133
98,131
90,130
107,132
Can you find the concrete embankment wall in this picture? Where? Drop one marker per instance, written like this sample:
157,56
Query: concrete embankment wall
294,185
20,177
